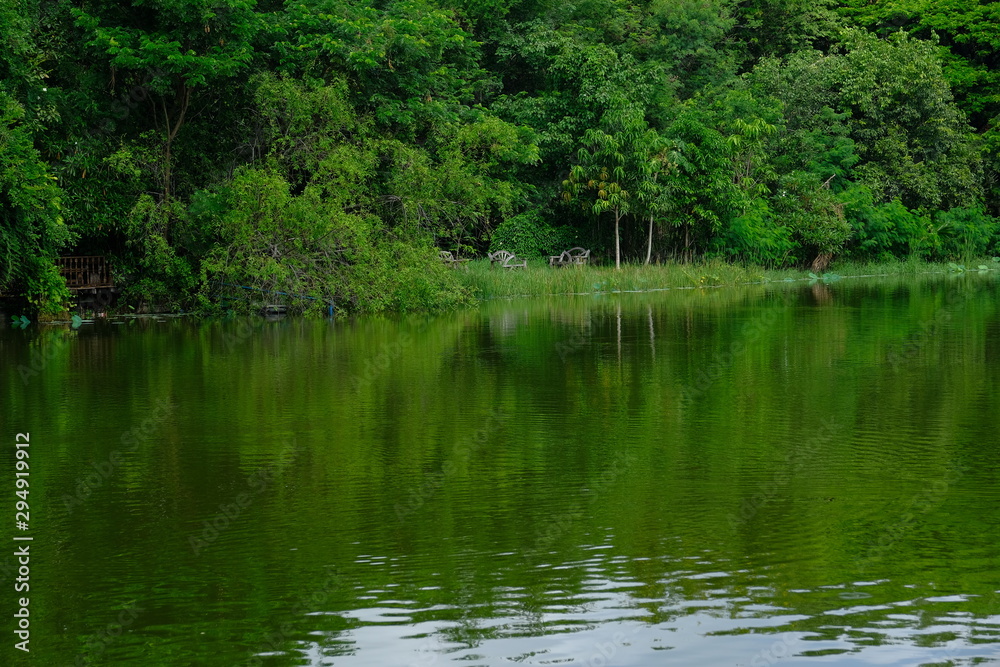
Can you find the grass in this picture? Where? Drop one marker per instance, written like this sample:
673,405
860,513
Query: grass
493,282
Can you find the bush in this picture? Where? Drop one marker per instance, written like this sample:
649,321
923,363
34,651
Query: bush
755,237
965,232
814,214
529,235
157,270
892,230
279,243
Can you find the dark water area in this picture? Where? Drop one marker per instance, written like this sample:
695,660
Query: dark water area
787,475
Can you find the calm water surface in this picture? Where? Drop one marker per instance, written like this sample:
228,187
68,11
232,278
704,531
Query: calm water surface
776,475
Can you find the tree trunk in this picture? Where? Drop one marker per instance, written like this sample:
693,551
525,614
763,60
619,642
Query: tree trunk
649,244
618,253
172,129
822,261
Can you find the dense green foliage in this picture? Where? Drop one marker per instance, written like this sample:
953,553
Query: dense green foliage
326,150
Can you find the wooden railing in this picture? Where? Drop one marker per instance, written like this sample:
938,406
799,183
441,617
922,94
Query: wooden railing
82,272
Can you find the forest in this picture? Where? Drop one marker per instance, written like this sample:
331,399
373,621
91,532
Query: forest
331,148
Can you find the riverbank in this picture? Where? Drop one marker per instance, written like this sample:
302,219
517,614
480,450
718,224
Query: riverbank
480,281
487,282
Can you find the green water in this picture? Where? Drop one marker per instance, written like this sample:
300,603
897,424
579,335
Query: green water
785,474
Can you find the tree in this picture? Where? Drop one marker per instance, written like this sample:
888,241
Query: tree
178,48
775,28
653,194
409,63
701,184
691,41
32,230
910,140
611,167
560,80
969,38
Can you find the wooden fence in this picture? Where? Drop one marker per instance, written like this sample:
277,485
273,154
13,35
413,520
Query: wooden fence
85,272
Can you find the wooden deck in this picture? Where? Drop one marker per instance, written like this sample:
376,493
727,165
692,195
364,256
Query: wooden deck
87,277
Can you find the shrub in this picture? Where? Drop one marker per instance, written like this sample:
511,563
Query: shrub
965,232
755,237
813,213
892,230
529,235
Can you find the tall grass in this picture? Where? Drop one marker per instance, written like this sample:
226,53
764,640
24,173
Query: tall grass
487,281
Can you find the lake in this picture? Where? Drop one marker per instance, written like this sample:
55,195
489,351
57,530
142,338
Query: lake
787,474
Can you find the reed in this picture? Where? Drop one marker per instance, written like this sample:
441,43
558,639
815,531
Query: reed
486,281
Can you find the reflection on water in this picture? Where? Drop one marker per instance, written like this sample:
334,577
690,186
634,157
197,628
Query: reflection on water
769,475
595,611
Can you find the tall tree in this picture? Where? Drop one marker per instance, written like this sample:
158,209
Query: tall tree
701,184
409,63
968,32
912,141
32,230
611,167
653,193
177,48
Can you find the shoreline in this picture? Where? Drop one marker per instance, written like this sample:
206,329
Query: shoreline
486,283
489,284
